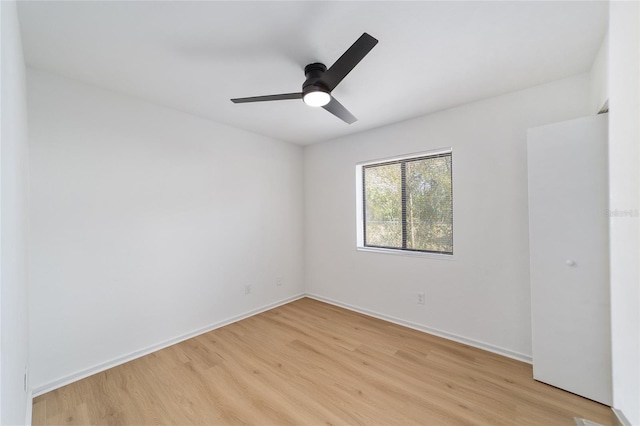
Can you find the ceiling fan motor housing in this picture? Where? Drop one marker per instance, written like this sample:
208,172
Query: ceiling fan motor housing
314,83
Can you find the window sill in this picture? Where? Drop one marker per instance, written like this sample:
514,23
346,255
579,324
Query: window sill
436,256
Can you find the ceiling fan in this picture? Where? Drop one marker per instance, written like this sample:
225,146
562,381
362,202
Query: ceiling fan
320,82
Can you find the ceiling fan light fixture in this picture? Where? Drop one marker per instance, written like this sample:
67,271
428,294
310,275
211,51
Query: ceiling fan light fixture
320,81
316,98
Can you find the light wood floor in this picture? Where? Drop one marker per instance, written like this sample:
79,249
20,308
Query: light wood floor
310,363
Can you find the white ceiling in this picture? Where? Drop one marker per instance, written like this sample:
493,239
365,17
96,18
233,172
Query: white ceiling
195,56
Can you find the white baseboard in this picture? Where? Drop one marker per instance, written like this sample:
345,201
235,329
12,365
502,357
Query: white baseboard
450,336
29,413
47,387
620,417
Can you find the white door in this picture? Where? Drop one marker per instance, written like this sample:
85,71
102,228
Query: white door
568,237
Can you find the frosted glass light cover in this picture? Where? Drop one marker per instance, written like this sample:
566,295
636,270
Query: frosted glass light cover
316,99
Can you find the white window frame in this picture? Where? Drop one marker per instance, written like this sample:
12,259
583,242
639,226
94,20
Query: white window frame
360,206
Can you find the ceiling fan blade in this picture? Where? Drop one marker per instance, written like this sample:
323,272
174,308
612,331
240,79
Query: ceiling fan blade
349,59
336,108
281,97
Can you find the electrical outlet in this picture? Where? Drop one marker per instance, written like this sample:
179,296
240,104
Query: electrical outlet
247,288
420,298
278,281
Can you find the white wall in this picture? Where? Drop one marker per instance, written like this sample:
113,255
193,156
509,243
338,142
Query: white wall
599,78
483,295
624,203
146,224
15,403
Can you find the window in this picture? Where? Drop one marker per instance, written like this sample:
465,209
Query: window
407,204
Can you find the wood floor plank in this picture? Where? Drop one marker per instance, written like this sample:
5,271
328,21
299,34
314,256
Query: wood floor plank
311,363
